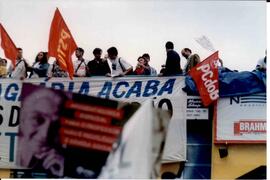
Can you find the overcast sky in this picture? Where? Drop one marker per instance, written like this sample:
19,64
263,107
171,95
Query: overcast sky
236,28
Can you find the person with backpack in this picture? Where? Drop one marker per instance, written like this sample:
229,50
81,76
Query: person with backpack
118,66
80,65
21,67
40,67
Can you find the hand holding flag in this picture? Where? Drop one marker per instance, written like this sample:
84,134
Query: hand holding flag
61,43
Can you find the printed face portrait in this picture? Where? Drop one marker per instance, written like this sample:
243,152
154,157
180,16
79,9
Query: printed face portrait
40,111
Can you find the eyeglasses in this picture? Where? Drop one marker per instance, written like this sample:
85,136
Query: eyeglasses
114,66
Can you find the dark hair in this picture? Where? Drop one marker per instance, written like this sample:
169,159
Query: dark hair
97,51
187,49
168,175
19,49
112,51
145,55
80,49
169,45
44,59
140,58
46,55
3,60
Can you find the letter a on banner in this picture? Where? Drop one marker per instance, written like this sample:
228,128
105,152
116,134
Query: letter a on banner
8,46
61,43
205,75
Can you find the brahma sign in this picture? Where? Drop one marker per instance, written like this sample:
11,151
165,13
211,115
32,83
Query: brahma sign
241,119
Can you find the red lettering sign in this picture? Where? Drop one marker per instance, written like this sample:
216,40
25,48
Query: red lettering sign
61,43
249,126
205,75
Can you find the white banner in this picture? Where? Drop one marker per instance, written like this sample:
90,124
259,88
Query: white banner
165,91
133,158
241,119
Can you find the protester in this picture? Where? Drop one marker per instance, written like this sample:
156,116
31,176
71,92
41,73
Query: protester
40,67
98,66
142,68
80,67
39,114
3,68
57,71
118,66
21,67
172,66
162,70
261,65
153,71
192,59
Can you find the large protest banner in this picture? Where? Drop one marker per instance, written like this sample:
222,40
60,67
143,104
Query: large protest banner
70,134
241,119
165,91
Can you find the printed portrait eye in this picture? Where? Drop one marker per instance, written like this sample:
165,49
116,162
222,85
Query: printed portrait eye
40,120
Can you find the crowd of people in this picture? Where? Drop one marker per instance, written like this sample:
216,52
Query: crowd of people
111,65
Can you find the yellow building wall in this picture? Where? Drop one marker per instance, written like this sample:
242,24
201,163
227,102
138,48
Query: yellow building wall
4,173
240,160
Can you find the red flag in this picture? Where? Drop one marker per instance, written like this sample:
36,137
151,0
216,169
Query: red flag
61,43
205,75
8,46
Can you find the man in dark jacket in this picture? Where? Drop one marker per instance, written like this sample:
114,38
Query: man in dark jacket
172,66
98,66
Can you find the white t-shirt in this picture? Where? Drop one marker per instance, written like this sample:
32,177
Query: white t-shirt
19,71
82,69
153,71
115,66
35,75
